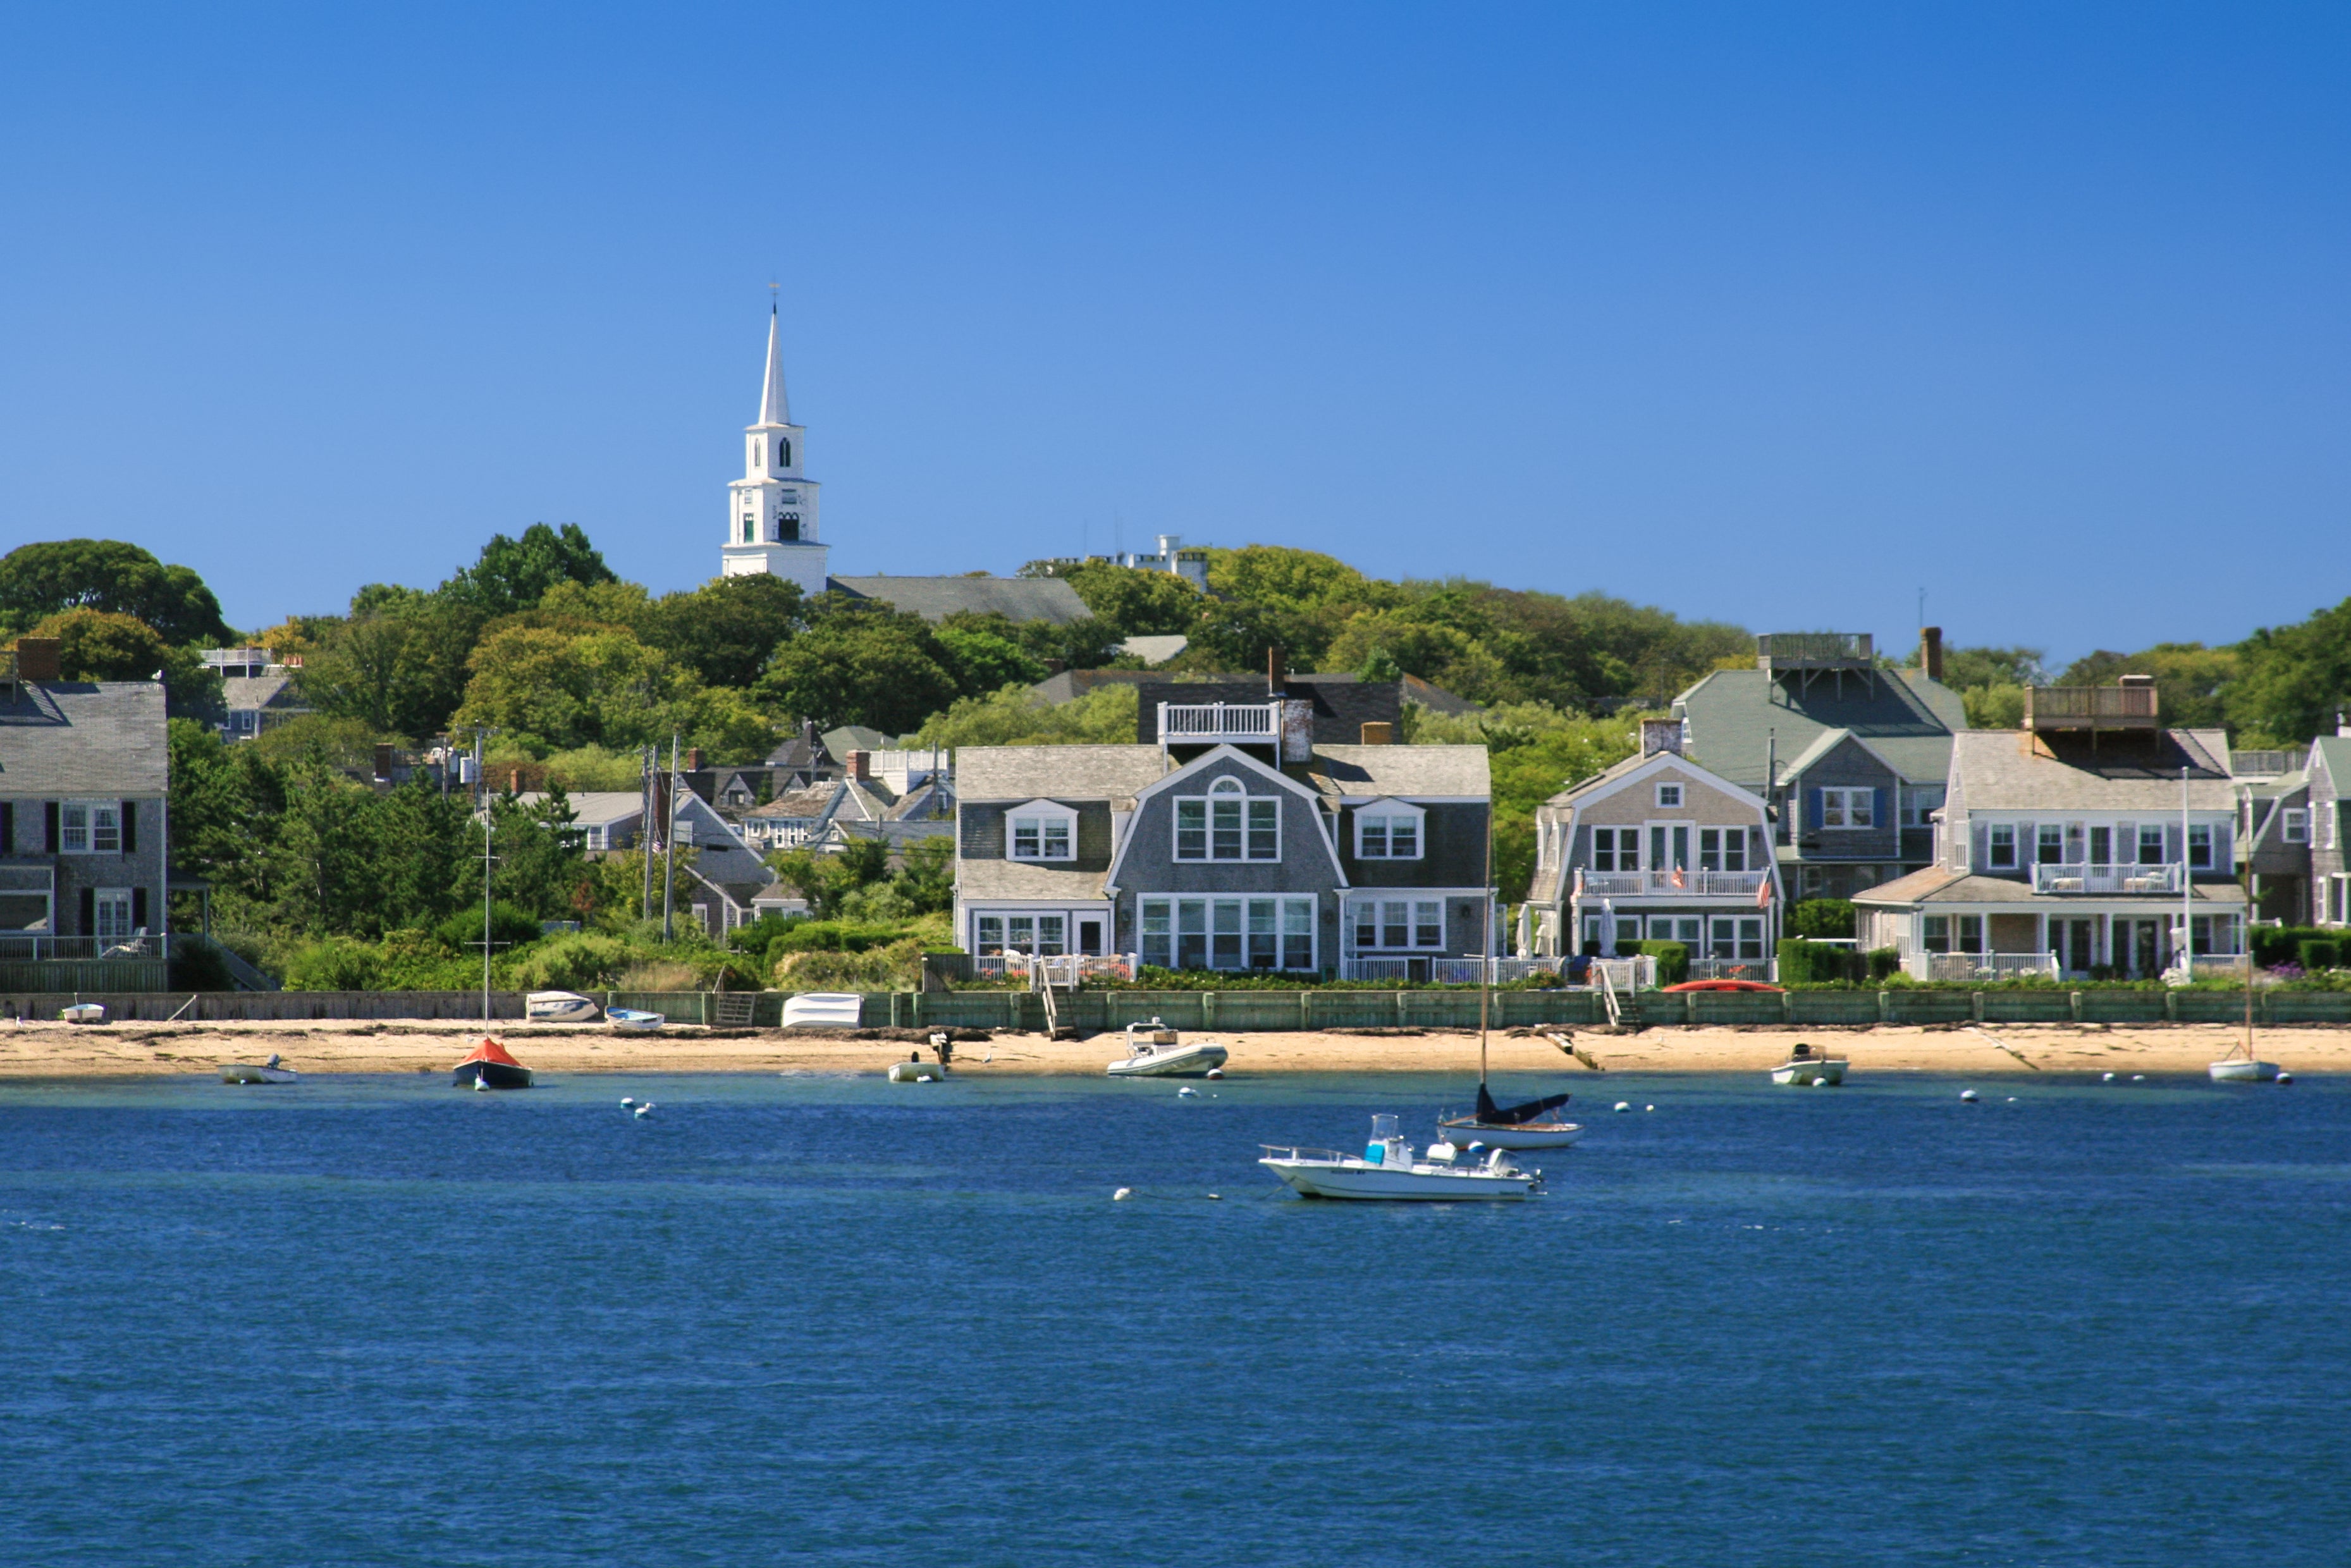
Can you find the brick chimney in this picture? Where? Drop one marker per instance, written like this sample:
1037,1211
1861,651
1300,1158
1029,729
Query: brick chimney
514,780
861,767
1277,673
1379,732
694,759
1931,652
39,659
1661,735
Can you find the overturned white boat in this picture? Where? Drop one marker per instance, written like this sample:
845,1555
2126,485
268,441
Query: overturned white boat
559,1007
634,1021
1805,1067
838,1009
1387,1171
1154,1050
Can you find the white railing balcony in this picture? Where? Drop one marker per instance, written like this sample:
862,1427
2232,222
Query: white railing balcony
40,947
1664,883
1764,969
1992,966
1211,722
2109,879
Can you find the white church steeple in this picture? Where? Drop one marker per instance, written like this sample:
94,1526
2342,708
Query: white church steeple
771,524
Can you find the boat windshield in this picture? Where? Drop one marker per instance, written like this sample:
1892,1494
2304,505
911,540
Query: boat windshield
1384,1127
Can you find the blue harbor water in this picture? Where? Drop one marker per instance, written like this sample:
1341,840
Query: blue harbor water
383,1321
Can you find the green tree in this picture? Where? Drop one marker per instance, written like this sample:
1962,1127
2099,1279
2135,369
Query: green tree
985,660
726,630
514,574
2293,679
1018,717
860,663
104,645
2190,680
397,664
37,581
1132,602
1534,751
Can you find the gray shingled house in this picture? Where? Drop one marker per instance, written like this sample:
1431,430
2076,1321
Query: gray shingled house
2274,823
1853,757
84,845
1214,846
2074,845
2330,829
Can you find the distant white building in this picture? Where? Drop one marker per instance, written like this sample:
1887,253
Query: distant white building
771,511
1191,565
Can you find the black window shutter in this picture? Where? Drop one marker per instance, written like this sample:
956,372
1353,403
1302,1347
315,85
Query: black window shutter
139,909
88,911
7,827
131,828
50,809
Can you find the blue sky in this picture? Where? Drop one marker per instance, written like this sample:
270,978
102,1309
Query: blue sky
1775,314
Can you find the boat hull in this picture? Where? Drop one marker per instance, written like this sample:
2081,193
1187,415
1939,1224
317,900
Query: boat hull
917,1073
1805,1073
1466,1130
2243,1072
247,1073
494,1075
1363,1181
1181,1061
634,1022
559,1007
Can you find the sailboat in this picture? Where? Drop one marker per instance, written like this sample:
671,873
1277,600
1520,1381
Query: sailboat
489,1067
2232,1067
1529,1126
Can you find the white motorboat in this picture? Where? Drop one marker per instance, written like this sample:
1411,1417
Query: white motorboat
1387,1171
1152,1050
837,1010
914,1069
635,1022
84,1012
2243,1069
1805,1068
559,1007
266,1072
1527,1127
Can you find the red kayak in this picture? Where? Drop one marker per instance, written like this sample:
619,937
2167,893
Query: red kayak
491,1068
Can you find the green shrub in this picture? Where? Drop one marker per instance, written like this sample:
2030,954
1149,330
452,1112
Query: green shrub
2316,955
1673,959
1884,962
894,967
509,927
1820,917
1803,963
331,964
574,961
755,935
832,937
2274,945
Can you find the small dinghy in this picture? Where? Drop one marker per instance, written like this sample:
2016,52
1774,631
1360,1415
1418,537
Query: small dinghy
84,1012
1387,1171
1806,1067
635,1022
559,1007
1152,1050
837,1010
914,1069
1527,1127
491,1068
267,1072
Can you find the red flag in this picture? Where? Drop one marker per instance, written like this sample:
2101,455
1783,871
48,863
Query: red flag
1763,892
1679,880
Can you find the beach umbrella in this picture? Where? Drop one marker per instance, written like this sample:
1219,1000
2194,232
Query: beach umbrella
1608,928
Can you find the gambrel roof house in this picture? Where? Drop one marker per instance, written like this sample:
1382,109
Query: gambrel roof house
2066,850
1660,849
1362,861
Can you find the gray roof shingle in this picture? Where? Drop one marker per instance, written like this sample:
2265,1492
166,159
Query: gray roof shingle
84,737
1998,774
1735,716
1437,770
1056,772
936,598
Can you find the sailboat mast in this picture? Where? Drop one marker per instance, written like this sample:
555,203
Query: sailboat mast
1486,969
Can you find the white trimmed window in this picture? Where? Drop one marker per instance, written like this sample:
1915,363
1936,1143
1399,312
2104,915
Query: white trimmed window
1389,831
1722,849
2296,828
1227,824
1040,830
1227,933
1669,795
110,913
90,827
2001,847
1398,924
1847,808
1615,849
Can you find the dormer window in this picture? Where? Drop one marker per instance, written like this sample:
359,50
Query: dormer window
1669,796
1041,830
1389,830
1228,824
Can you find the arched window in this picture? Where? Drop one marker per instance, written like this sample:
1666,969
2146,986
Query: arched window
791,525
783,454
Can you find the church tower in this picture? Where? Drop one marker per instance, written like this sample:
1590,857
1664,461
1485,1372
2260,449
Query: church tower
772,510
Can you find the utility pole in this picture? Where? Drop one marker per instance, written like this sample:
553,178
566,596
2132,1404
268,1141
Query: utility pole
647,756
669,845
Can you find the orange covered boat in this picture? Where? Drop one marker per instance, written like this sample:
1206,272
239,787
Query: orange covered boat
491,1068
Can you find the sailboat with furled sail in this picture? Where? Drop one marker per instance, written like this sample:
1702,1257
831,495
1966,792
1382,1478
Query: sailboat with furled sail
1533,1125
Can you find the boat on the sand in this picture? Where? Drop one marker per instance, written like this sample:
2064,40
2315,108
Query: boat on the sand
634,1021
559,1007
1387,1171
264,1072
1154,1050
491,1067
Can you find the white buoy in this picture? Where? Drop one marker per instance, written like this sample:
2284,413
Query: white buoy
1122,1195
2285,1078
1216,1072
1823,1083
1968,1095
480,1081
627,1100
2109,1078
1187,1089
2138,1078
1216,1198
1624,1104
644,1109
2012,1099
1648,1107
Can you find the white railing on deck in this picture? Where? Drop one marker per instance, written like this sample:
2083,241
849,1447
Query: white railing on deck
1661,883
40,947
1219,721
1445,971
2108,879
1639,974
1765,970
1978,965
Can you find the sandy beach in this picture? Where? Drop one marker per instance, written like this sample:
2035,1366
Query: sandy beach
62,1050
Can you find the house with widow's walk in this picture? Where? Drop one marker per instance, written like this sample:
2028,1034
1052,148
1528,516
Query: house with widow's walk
1659,849
1237,835
2079,844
